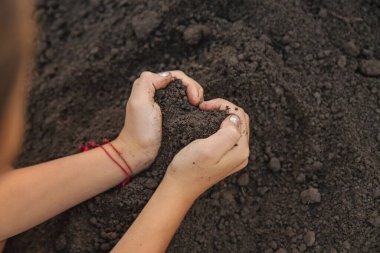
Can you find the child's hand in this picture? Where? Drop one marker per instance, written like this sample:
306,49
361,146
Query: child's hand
140,138
205,162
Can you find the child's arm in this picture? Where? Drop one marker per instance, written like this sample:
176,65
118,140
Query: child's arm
32,195
194,169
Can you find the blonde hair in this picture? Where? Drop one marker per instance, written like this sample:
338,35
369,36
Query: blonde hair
17,30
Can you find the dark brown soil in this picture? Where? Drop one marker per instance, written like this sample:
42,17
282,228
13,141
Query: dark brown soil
182,124
307,72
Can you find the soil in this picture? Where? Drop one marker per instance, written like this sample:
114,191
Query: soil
307,72
182,124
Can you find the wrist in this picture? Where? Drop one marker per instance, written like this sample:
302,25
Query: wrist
180,190
137,158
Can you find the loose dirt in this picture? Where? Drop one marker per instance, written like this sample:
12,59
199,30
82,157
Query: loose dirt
307,72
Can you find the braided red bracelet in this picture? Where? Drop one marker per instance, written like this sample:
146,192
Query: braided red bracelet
94,144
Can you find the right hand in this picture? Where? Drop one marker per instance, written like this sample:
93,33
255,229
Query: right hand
140,138
204,162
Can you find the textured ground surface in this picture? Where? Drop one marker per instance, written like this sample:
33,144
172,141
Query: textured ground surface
308,74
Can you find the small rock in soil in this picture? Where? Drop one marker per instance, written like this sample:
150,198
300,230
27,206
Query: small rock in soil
342,61
151,183
228,197
346,245
281,250
333,250
301,178
263,190
374,219
323,13
370,67
274,164
309,238
243,180
195,33
376,194
60,243
105,246
302,247
351,49
310,196
273,245
144,23
93,221
317,165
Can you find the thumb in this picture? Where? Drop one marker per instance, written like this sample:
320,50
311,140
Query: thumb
145,86
226,137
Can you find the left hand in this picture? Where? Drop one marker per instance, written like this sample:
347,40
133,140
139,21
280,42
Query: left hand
204,162
140,138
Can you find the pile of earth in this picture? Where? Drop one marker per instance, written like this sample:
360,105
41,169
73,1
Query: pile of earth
308,74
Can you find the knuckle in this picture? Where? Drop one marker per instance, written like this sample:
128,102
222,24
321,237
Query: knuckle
180,72
247,117
136,82
241,112
233,134
245,154
245,163
221,101
146,74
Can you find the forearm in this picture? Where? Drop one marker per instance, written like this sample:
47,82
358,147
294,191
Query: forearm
155,226
32,195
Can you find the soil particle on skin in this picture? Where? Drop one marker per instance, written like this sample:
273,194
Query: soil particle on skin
370,67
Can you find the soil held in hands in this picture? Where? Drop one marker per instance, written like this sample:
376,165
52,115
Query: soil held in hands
306,72
182,122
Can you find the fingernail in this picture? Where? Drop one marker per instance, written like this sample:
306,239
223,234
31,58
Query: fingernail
164,74
235,120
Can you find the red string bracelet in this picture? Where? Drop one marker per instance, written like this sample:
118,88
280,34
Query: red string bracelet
120,155
94,144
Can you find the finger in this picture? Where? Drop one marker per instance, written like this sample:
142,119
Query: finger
220,104
194,90
247,120
148,82
225,105
225,138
